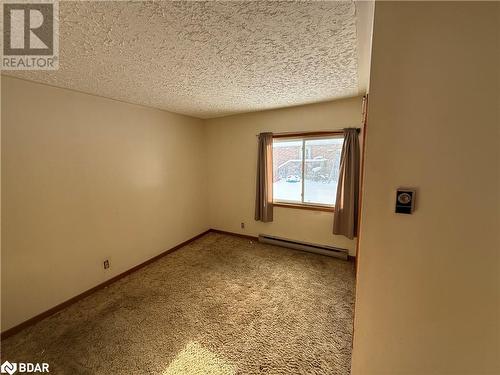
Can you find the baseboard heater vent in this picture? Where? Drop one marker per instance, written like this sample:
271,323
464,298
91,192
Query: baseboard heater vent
305,246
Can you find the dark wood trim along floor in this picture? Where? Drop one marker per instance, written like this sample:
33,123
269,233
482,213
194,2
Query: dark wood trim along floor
53,310
255,238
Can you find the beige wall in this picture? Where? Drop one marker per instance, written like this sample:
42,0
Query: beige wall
232,161
428,289
84,179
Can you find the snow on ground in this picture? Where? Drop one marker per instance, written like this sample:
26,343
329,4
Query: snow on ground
314,191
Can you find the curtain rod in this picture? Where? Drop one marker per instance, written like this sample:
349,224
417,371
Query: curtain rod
305,133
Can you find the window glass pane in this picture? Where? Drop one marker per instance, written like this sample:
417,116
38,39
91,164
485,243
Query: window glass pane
322,170
287,170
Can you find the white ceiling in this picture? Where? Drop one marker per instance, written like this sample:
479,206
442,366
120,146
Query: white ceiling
210,59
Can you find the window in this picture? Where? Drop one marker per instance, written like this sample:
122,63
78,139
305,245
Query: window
306,169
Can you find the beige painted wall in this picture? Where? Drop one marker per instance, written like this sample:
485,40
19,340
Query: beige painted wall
428,291
232,161
86,178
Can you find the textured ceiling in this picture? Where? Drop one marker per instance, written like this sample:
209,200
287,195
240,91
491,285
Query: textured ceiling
207,59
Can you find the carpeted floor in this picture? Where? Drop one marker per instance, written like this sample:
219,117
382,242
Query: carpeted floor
220,305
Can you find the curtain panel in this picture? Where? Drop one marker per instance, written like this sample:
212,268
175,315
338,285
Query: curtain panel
345,217
264,189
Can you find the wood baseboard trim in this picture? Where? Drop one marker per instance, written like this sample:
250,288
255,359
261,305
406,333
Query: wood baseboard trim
53,310
248,237
11,331
350,258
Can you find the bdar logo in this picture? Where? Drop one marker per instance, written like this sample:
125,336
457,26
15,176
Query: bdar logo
8,368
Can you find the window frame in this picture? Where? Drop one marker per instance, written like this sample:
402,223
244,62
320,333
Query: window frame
303,136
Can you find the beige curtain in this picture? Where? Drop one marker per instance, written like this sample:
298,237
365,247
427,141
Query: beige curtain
345,217
264,191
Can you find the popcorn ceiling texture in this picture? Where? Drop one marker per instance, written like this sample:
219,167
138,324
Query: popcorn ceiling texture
207,59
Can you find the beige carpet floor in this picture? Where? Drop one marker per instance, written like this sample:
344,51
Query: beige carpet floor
220,305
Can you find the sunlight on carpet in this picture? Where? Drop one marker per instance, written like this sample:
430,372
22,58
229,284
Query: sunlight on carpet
196,360
221,305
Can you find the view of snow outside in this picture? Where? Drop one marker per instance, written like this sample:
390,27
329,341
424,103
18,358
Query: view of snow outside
322,159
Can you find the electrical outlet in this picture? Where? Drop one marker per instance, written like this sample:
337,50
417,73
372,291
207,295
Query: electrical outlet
242,225
106,264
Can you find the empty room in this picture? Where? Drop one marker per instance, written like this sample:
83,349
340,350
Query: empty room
250,187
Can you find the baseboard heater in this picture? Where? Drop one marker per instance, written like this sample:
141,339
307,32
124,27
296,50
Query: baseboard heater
305,246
